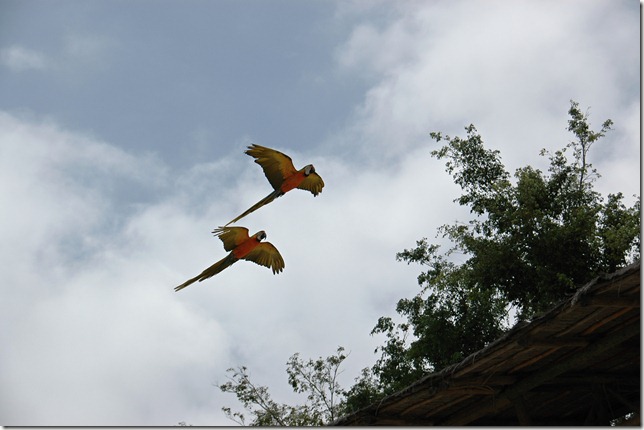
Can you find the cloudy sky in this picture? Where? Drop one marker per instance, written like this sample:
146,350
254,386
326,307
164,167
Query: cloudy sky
122,130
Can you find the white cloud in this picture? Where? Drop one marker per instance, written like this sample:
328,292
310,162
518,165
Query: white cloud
85,327
99,236
18,59
79,53
94,316
510,68
85,50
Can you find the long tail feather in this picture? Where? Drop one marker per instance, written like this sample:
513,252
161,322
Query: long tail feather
266,200
211,271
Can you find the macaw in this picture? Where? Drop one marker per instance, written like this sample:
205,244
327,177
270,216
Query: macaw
281,174
241,246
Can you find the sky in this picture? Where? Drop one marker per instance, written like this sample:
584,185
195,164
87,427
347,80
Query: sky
122,131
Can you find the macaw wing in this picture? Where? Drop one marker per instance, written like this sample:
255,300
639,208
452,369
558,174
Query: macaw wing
231,236
312,183
265,254
276,165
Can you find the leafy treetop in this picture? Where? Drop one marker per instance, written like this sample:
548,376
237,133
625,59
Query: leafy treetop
533,240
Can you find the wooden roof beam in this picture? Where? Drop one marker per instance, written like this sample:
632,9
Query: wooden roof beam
575,361
553,342
610,301
522,412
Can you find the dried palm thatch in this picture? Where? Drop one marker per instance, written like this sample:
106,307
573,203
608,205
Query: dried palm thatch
578,364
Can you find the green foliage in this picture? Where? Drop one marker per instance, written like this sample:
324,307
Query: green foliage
579,125
449,319
534,238
364,392
317,379
619,230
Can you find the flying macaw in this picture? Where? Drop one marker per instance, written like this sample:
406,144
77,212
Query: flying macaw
281,173
241,246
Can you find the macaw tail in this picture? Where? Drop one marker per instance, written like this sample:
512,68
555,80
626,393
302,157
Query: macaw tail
211,271
266,200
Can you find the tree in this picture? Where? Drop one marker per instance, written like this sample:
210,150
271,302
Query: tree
532,241
534,238
317,379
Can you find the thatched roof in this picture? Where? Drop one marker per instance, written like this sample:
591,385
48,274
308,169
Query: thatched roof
577,364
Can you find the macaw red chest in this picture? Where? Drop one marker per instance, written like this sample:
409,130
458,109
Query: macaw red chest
245,247
292,181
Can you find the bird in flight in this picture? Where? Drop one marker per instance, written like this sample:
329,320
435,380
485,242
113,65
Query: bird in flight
281,174
241,246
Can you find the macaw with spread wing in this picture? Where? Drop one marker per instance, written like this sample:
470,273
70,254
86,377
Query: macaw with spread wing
281,174
241,246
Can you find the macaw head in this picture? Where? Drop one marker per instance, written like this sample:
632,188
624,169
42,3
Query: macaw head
260,235
309,169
